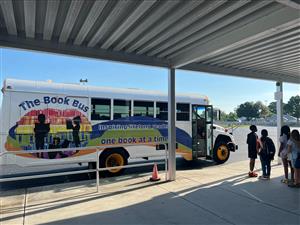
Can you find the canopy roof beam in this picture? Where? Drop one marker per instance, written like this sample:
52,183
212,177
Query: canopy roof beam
9,16
136,14
260,28
290,3
216,24
165,24
287,41
29,13
51,12
70,20
110,21
242,73
90,20
259,58
142,27
81,51
286,35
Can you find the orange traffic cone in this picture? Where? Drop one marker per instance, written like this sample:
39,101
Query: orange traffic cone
154,174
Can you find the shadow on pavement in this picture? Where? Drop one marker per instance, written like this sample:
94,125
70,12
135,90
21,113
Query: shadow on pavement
135,172
227,203
233,200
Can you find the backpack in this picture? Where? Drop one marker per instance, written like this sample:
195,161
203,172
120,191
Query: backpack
268,149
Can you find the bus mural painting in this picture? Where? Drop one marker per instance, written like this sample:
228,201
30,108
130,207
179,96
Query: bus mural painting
45,129
41,115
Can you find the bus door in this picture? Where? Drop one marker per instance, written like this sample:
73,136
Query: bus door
209,129
201,130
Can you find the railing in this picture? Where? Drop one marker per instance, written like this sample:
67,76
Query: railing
98,149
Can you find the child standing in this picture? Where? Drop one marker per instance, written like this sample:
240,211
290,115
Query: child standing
293,147
252,149
266,154
283,154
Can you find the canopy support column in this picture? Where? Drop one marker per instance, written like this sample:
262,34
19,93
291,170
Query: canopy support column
171,126
278,98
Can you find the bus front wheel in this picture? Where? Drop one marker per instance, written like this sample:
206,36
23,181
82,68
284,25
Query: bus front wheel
111,158
221,153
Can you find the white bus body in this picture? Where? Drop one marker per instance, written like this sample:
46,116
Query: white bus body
108,116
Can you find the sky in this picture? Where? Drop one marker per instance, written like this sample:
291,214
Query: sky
224,92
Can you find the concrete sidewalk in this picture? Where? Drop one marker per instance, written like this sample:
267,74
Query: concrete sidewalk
216,195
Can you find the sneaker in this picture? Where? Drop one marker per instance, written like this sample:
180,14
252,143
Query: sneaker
285,181
292,185
290,181
252,174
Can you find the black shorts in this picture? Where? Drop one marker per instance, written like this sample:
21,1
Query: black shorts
252,154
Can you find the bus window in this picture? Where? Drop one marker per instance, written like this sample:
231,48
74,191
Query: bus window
100,109
183,112
162,110
122,108
143,108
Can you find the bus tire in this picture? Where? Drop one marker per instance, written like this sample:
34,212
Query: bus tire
113,157
221,153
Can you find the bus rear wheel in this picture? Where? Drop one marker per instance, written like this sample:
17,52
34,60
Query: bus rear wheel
111,158
221,153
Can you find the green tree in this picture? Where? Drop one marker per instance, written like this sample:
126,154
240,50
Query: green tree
263,109
228,117
248,110
273,109
293,106
232,116
285,108
252,110
223,116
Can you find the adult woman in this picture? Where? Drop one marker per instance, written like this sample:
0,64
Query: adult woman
283,154
293,147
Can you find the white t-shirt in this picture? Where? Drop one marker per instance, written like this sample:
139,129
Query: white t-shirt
283,140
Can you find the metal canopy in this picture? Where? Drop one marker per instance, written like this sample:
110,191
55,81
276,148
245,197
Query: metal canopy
245,38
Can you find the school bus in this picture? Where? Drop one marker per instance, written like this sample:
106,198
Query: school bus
43,114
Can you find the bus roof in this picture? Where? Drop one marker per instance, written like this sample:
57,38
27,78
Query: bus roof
49,87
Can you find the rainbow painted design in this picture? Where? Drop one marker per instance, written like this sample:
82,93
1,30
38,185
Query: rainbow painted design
130,130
